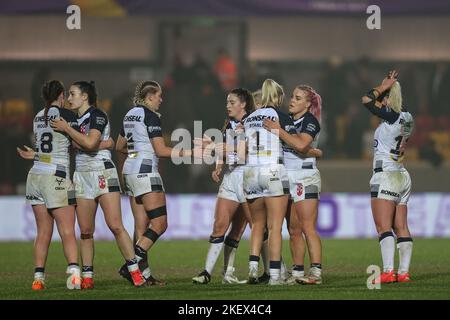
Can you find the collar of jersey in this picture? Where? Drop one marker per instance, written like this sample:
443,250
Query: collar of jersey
87,111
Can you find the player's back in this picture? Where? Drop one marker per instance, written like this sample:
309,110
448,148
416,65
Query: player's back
390,142
265,147
52,147
140,125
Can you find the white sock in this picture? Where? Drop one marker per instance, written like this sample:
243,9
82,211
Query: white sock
405,252
39,275
87,274
274,274
146,273
253,264
387,252
229,254
265,256
213,255
297,274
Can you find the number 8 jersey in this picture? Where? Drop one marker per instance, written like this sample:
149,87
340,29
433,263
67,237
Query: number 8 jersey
52,147
390,142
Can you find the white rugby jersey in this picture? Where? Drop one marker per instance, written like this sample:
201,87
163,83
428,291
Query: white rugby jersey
390,142
306,124
140,125
52,147
265,147
232,137
99,160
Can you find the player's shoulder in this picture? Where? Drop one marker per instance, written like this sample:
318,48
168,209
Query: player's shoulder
67,115
309,118
151,117
97,112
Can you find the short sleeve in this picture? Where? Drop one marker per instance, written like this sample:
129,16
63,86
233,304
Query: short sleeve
153,124
310,126
98,120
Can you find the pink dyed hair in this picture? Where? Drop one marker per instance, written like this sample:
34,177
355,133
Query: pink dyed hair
315,99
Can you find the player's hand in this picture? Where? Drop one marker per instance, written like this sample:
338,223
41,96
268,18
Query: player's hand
271,125
239,129
390,79
59,125
27,154
216,175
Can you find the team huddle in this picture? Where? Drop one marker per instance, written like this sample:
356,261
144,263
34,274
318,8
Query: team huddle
269,165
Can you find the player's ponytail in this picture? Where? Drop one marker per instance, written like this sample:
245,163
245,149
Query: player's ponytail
272,93
315,99
51,90
89,89
395,97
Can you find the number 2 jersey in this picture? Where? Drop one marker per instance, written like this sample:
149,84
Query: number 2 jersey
265,147
140,125
390,142
306,124
99,160
52,147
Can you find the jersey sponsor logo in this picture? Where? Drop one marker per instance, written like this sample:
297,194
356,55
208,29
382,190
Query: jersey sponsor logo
151,129
299,189
260,118
100,121
31,197
60,188
132,118
59,181
101,182
42,118
390,193
311,127
142,176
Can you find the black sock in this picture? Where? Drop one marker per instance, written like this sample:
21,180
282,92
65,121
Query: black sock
253,258
316,265
73,264
298,267
87,269
39,269
131,262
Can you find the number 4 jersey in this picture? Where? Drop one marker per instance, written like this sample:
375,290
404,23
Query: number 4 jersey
390,142
52,147
140,125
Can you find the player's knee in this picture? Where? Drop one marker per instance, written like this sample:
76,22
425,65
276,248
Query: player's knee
160,226
295,231
116,230
86,235
220,226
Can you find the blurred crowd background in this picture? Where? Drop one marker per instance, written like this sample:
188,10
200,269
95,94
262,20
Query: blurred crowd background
200,53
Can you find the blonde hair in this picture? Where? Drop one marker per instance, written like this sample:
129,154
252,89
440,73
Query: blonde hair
395,97
272,93
144,88
257,95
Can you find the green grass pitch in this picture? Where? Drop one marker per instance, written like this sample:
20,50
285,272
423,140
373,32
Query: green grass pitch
345,263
